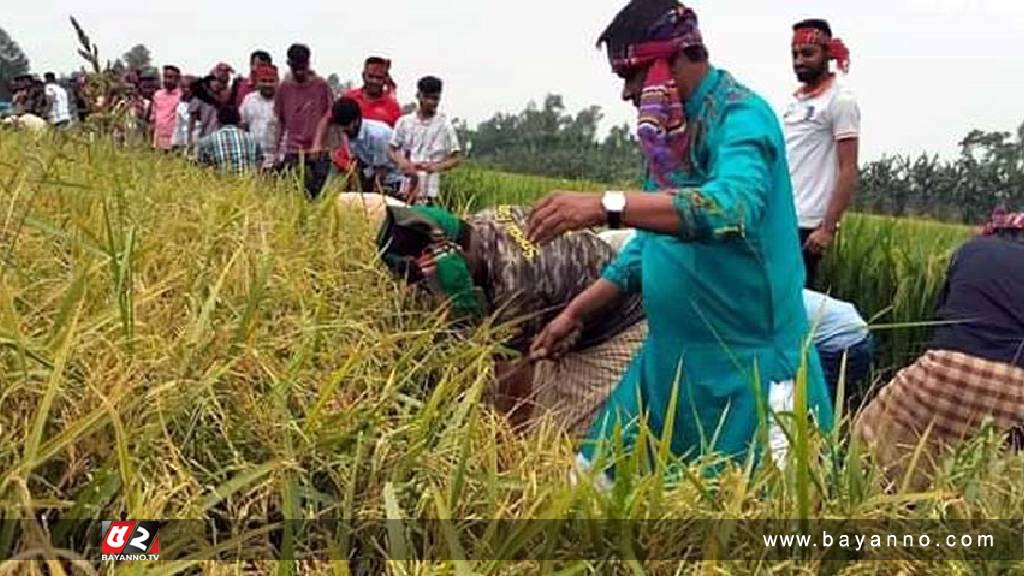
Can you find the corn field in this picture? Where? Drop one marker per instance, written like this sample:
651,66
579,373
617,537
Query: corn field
178,345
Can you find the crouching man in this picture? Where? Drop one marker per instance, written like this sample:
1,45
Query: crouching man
484,267
973,370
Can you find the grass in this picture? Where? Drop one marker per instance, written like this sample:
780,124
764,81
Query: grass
177,345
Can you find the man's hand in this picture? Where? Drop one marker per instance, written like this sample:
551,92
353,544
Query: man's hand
820,240
562,212
556,338
427,265
407,168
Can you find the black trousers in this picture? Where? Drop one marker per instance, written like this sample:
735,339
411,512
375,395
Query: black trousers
811,260
314,170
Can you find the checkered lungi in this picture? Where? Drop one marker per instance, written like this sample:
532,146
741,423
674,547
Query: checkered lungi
573,389
953,393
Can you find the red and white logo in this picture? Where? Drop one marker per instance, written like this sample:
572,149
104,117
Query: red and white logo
130,540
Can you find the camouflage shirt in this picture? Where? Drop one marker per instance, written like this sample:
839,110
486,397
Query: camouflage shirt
528,285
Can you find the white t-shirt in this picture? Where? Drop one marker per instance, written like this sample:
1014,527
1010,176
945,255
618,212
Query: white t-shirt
60,112
813,126
181,118
258,114
430,140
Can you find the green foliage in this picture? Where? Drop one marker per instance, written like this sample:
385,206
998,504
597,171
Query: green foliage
988,173
547,141
893,270
471,188
13,63
138,58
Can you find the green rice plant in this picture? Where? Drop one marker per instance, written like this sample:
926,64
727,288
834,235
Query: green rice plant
893,270
470,188
175,344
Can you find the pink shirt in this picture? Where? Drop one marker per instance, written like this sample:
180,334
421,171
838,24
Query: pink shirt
299,109
164,115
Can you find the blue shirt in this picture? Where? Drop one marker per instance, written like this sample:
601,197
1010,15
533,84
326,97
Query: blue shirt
837,325
371,148
723,294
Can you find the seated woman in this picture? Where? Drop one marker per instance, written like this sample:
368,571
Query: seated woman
973,370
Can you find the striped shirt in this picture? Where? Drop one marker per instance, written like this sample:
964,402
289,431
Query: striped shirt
230,149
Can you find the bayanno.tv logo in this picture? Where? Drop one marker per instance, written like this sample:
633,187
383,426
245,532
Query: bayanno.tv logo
130,540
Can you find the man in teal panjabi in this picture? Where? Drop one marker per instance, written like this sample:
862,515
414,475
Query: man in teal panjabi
717,259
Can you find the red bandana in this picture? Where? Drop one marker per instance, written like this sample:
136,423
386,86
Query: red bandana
265,73
837,50
384,70
661,122
1003,220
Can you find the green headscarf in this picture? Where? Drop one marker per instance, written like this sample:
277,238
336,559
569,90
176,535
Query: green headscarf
443,219
408,231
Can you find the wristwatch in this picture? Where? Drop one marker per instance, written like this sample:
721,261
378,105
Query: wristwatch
614,202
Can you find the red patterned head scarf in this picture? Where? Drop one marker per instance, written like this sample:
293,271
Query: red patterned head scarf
1003,221
382,66
266,73
837,50
661,122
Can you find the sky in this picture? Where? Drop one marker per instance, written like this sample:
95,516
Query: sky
926,72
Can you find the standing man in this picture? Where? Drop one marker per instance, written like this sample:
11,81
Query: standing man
376,98
57,100
80,94
148,84
164,112
222,80
258,112
202,109
243,86
822,135
425,144
716,258
302,101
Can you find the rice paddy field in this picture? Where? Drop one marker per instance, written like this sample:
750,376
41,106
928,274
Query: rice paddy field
176,345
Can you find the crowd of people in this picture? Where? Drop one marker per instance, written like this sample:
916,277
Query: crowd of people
694,308
41,103
262,123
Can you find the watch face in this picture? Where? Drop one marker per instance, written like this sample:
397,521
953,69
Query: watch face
615,202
